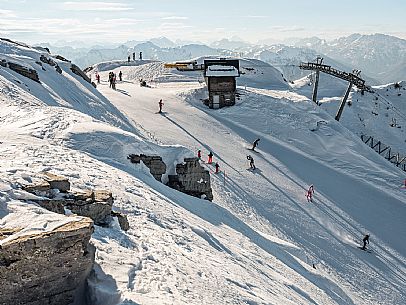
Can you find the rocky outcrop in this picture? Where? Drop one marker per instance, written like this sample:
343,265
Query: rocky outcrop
155,164
51,62
46,267
57,182
94,204
53,205
122,220
191,178
24,71
62,58
75,69
47,60
50,181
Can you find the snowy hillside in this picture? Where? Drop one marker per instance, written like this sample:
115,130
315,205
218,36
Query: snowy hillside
259,241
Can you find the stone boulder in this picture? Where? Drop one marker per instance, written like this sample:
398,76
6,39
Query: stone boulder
75,69
47,60
155,164
122,220
37,188
50,62
24,71
53,205
57,182
62,58
94,204
191,178
46,267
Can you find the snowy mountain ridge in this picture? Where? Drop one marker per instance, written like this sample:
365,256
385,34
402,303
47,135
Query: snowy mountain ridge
380,57
259,241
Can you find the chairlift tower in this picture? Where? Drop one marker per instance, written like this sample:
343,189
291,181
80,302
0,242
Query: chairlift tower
353,78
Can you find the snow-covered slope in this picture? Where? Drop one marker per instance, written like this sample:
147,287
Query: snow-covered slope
259,241
65,90
381,114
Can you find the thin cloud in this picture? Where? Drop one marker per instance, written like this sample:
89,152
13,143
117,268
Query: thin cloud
256,16
96,6
7,14
281,28
175,18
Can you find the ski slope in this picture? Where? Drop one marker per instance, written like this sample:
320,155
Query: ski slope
259,241
352,195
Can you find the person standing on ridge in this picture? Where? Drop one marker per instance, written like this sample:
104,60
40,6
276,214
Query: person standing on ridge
251,159
120,76
365,240
160,105
255,144
217,167
128,58
114,81
199,154
210,158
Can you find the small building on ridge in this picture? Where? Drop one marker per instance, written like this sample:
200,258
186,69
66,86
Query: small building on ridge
220,77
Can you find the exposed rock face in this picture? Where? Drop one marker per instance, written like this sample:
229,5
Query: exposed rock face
94,204
47,60
57,182
24,71
61,58
122,220
47,267
155,164
53,205
192,179
51,62
75,69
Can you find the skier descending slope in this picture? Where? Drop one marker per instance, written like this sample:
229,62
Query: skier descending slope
255,144
217,167
309,194
365,240
251,159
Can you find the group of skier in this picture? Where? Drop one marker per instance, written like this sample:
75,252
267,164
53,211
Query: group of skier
309,192
112,79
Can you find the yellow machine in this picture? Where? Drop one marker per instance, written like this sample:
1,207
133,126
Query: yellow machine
184,66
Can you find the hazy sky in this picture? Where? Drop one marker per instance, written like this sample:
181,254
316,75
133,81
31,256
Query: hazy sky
205,20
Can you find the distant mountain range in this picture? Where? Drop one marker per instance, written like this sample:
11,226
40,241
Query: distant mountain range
381,58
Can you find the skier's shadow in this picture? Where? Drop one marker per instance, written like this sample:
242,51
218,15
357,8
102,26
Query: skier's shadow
197,140
123,92
255,171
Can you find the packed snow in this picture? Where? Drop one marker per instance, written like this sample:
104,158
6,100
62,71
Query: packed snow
260,241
